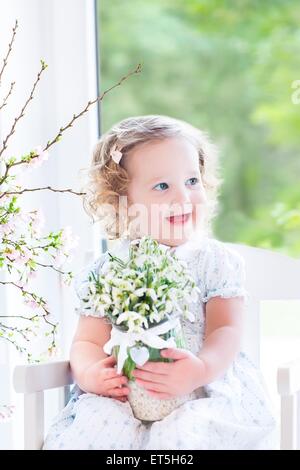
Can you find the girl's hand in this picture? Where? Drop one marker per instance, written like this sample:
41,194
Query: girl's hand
171,379
102,378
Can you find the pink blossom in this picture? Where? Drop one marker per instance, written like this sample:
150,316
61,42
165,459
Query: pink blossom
31,303
6,198
6,412
42,156
21,283
68,239
38,222
60,258
13,254
20,257
7,228
17,217
32,275
25,217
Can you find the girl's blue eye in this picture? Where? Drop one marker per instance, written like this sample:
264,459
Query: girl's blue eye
162,186
195,180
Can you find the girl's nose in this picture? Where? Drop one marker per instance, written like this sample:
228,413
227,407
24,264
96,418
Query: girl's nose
180,196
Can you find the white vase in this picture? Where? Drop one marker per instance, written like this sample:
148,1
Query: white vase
148,408
144,406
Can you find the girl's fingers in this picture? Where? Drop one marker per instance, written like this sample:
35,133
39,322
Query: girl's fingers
162,368
123,399
116,382
117,392
108,361
158,395
175,353
109,373
150,376
156,387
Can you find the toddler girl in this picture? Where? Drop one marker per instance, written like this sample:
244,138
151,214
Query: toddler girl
158,176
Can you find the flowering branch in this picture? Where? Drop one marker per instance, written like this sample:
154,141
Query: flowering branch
52,267
58,136
9,50
7,96
12,130
89,104
42,189
33,301
23,249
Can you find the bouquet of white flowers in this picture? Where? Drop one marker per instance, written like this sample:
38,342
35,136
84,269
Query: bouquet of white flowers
143,296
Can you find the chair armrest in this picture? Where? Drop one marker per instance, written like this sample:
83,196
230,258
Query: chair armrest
288,378
288,386
38,377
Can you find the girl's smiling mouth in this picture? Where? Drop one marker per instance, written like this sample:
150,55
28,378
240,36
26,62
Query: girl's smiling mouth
179,219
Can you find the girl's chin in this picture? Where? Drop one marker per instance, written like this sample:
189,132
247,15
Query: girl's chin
176,238
170,234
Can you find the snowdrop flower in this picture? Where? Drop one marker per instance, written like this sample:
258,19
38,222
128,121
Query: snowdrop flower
141,260
130,317
145,286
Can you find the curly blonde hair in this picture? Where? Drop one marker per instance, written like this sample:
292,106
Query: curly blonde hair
107,181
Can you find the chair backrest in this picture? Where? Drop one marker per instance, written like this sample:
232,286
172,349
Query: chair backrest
269,276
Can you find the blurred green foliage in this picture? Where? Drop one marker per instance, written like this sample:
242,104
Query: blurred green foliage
226,67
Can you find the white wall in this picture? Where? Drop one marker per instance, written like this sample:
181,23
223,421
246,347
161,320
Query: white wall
61,32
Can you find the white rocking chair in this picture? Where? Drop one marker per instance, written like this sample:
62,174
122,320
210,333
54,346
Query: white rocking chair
269,276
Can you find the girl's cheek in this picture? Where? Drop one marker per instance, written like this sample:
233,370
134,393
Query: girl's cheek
200,202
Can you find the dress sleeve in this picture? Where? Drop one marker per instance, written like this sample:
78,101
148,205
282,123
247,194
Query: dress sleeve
81,282
224,273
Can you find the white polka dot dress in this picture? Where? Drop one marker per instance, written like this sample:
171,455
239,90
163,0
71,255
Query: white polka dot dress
232,412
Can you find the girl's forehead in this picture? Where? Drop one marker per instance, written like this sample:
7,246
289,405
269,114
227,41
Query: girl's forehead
166,145
156,157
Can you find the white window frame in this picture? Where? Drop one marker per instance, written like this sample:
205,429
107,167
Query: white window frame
64,34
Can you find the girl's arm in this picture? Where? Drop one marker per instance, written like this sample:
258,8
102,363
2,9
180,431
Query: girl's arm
224,326
224,319
87,345
93,370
